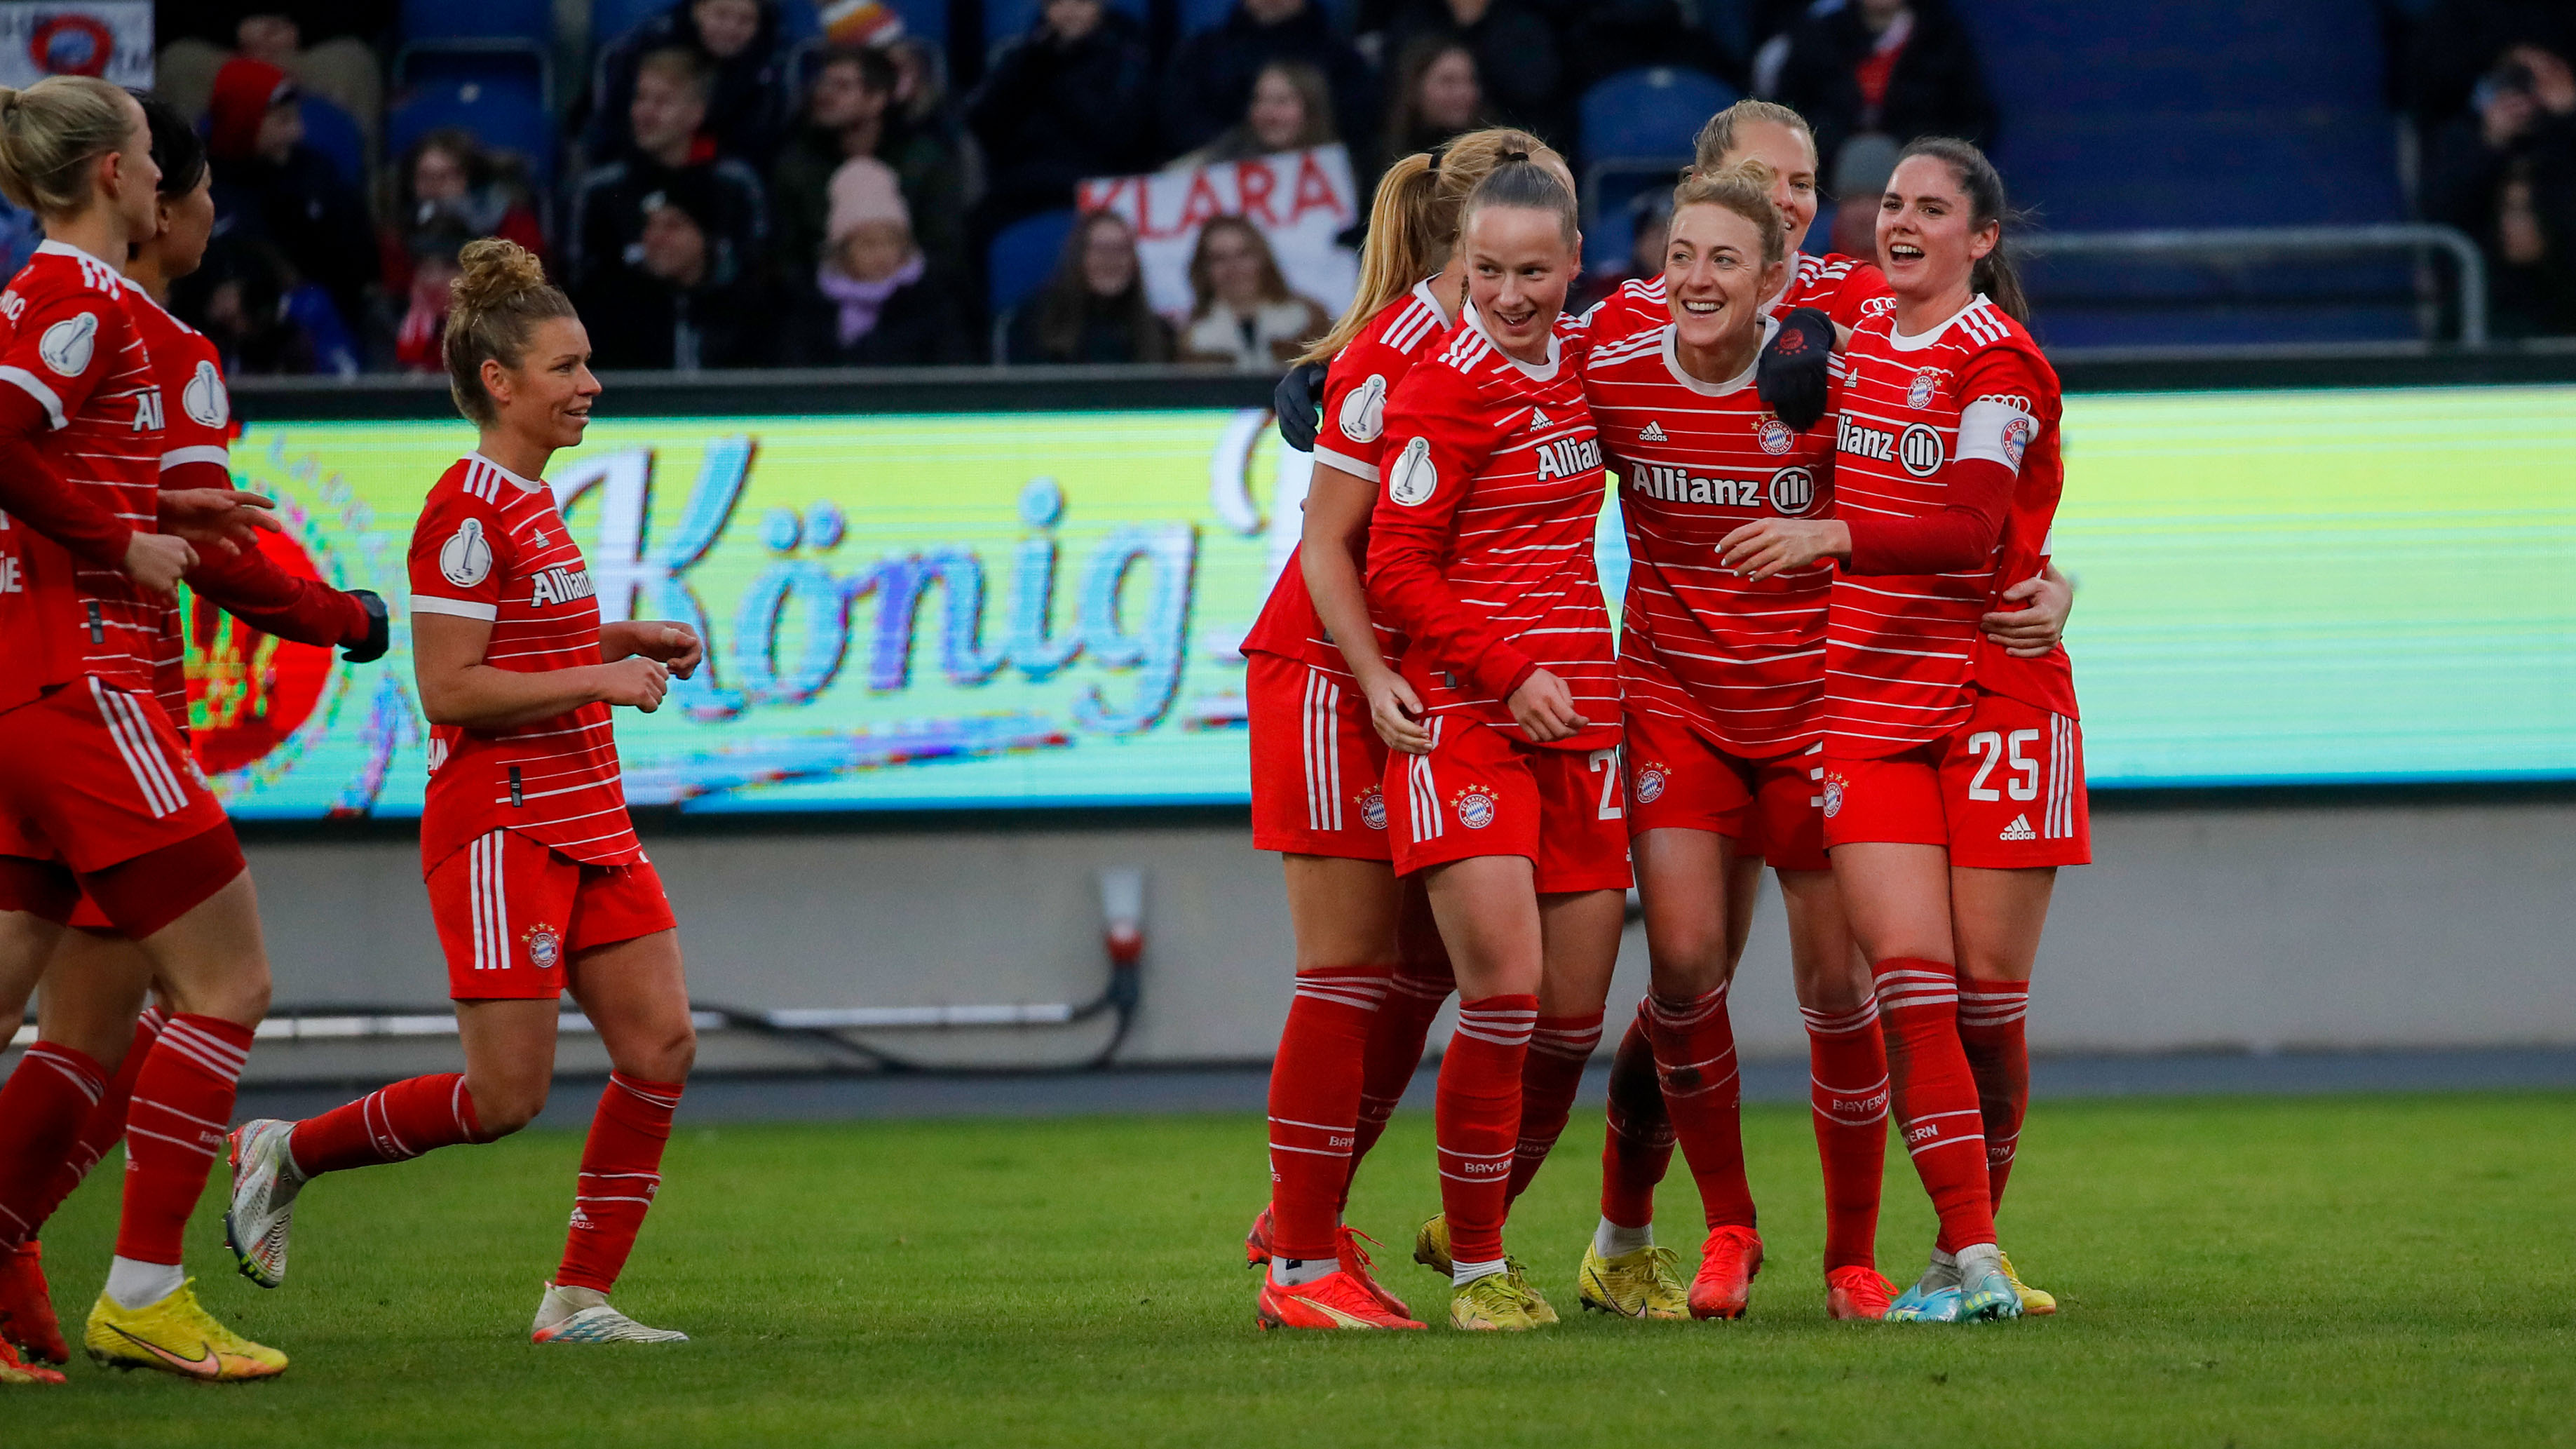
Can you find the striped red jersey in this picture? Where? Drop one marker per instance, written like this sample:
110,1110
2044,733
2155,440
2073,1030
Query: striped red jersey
1480,549
1356,387
489,545
1840,286
68,339
1901,649
1742,664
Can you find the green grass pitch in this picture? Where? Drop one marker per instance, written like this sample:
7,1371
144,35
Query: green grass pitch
2382,1270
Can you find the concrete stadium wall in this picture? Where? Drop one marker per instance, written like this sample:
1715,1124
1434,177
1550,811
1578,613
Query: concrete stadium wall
2253,928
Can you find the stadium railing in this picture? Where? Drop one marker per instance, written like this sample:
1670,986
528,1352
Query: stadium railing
2469,270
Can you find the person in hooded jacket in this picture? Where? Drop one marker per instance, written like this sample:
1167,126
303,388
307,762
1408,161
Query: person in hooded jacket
751,92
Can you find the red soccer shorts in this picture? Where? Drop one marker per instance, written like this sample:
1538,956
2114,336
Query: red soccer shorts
1678,780
2005,791
511,912
1481,792
97,776
1316,763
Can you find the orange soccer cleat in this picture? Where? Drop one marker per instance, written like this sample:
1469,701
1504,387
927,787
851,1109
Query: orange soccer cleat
1336,1300
1727,1264
1256,1244
27,1306
1855,1292
1355,1265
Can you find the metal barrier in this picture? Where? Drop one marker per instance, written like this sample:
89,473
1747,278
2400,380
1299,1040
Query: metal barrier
2238,242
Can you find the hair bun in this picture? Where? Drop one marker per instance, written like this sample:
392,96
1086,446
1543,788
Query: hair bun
1520,157
492,271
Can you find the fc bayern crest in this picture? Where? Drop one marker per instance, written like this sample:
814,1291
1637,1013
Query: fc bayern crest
1926,383
1651,778
1475,808
1775,436
2016,439
545,948
1833,796
1373,808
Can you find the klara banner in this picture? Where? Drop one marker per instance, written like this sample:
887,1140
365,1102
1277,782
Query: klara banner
1302,201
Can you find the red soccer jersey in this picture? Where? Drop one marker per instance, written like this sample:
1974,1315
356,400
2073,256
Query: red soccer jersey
1356,386
68,340
1742,664
1901,649
1841,286
1480,549
490,545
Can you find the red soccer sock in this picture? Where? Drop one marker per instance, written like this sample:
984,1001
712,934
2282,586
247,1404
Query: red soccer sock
1638,1148
183,1103
106,1121
1551,1073
1315,1104
1414,996
390,1124
42,1110
1694,1042
1847,1079
1476,1117
1990,1028
1936,1099
621,1170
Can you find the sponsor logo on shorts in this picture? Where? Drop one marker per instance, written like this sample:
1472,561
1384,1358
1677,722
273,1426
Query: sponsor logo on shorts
545,948
1926,384
1373,808
1775,436
1834,787
1652,776
2018,830
1475,807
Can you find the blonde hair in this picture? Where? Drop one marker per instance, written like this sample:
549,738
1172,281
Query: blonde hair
500,295
1719,136
1414,218
51,131
1745,189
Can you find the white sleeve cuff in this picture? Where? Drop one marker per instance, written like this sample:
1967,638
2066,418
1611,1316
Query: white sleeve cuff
34,387
460,608
1350,465
1997,431
221,457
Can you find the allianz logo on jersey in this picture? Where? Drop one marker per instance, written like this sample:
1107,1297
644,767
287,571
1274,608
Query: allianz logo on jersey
560,585
1918,449
1791,490
1567,457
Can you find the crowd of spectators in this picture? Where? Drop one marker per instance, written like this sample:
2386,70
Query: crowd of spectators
743,185
2492,93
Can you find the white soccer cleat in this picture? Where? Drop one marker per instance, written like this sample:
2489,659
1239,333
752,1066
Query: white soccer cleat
582,1315
265,1182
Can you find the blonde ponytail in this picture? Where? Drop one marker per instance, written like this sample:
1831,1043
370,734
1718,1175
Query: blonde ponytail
1719,136
51,131
500,295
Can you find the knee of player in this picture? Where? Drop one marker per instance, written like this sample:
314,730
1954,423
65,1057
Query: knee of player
1688,962
501,1108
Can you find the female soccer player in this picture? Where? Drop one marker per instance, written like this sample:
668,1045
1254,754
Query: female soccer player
95,983
119,814
1953,783
535,877
1480,554
1324,706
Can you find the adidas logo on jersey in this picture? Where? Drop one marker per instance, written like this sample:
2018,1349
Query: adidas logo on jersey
1653,432
1538,418
2019,830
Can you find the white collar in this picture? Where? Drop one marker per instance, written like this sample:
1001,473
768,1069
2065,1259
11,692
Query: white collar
525,486
1735,384
1536,371
52,248
1431,298
1916,342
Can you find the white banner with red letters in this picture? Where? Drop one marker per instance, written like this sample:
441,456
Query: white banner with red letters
110,39
1301,200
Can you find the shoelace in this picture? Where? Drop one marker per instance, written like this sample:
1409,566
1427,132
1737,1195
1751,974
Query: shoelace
1351,1240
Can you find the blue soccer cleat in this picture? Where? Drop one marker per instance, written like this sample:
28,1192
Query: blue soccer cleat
1986,1293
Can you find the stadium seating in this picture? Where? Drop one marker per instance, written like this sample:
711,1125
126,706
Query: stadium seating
1636,129
502,105
1023,254
532,21
1006,20
334,133
1198,15
610,19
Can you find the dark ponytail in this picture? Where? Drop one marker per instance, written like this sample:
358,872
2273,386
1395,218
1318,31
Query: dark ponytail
1995,275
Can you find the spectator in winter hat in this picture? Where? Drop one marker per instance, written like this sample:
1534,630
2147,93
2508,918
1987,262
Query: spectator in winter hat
271,187
850,112
874,301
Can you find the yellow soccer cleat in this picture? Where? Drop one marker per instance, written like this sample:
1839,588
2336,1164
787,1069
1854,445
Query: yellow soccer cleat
1496,1302
1533,1302
1641,1284
1431,1245
2035,1302
176,1336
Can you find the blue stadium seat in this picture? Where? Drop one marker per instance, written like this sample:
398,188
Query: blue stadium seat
528,20
1023,254
505,109
611,19
1649,113
925,20
1006,20
334,133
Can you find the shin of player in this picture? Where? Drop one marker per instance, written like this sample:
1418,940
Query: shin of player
536,880
1480,554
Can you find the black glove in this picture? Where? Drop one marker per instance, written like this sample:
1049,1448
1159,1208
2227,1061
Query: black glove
1791,375
380,629
1299,401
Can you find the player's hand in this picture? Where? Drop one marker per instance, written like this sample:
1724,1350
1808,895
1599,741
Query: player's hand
1299,401
380,629
2032,631
225,518
636,682
1397,712
1792,375
1545,709
155,562
1769,546
676,645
